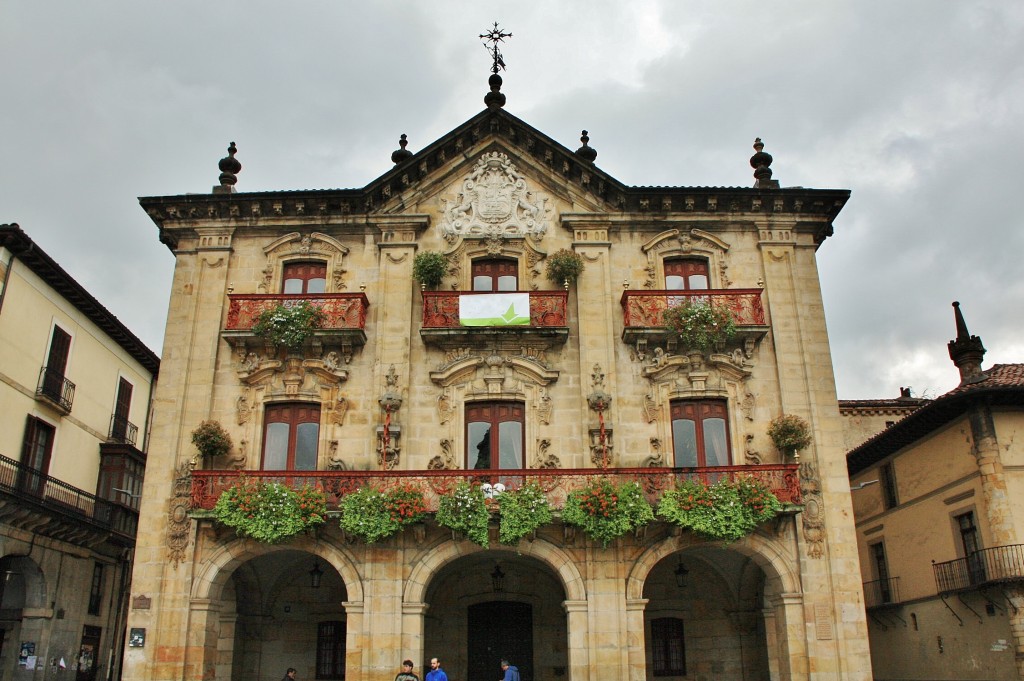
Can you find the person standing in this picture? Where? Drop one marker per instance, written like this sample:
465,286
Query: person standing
406,674
511,671
436,673
289,675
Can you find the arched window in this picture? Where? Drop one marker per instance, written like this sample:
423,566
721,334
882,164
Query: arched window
304,277
495,274
494,435
291,434
700,433
686,274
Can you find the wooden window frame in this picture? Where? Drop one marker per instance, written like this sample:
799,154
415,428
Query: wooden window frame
705,409
37,463
495,413
684,268
296,419
304,271
495,269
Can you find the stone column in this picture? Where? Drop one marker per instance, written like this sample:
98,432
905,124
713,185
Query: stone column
200,655
790,650
355,640
412,632
579,640
635,638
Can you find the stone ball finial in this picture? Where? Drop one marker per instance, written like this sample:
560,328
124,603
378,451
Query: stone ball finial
229,167
399,155
586,152
760,162
494,99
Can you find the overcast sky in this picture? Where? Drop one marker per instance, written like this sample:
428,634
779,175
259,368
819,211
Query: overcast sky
915,106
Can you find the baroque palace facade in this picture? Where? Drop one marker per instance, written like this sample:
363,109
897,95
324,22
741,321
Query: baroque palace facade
396,387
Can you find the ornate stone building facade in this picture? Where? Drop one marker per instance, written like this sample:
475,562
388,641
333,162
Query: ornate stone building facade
576,380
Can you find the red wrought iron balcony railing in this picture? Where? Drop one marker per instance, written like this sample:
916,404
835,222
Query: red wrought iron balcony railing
782,479
983,567
446,316
642,312
344,315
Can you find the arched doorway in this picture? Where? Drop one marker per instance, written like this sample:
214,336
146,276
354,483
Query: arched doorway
476,617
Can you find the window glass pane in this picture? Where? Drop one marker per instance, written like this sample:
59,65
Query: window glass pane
510,439
684,443
698,281
716,453
478,445
316,286
482,283
507,283
275,449
674,283
306,436
292,286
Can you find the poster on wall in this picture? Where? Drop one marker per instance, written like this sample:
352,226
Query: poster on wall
28,649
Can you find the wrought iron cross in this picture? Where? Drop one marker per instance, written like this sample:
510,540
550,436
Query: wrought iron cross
495,36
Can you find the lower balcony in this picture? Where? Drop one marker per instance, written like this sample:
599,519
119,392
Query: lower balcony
882,592
782,479
996,565
530,318
55,389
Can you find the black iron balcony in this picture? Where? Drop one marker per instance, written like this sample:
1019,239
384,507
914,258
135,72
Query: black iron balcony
122,430
782,479
55,389
55,508
882,592
987,566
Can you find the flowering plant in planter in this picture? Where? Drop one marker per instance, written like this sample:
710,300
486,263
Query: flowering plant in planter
211,439
270,512
373,514
789,433
521,511
429,268
564,266
700,325
726,509
606,511
289,325
464,509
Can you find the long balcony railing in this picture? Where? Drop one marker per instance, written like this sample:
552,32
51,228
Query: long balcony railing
64,500
441,308
341,310
986,566
123,430
55,388
882,592
782,479
644,309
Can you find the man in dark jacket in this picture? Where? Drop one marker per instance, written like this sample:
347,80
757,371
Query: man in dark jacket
511,671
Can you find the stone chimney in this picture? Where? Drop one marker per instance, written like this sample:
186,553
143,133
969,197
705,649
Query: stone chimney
966,350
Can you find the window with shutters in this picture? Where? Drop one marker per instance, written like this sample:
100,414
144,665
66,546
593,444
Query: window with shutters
495,435
330,650
304,277
291,436
53,383
495,274
668,648
700,433
36,450
96,589
121,429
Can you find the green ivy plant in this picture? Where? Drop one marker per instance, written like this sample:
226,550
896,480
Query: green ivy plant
727,509
211,439
700,325
373,514
606,511
464,509
521,511
289,325
270,512
789,433
429,268
564,265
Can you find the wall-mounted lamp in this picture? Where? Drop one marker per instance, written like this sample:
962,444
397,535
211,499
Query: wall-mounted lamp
680,573
314,575
498,579
862,485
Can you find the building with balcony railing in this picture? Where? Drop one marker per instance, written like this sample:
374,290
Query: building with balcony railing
939,507
75,384
498,375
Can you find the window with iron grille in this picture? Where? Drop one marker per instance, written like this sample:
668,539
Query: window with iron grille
668,649
96,589
330,650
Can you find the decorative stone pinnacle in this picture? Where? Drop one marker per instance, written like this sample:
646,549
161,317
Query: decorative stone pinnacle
586,152
399,155
229,167
965,350
760,162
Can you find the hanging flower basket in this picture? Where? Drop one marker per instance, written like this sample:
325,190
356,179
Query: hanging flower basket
289,325
464,510
789,433
700,325
373,514
521,511
727,509
270,512
606,511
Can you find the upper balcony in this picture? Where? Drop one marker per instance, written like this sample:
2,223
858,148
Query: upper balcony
782,479
644,327
344,326
56,389
455,318
985,567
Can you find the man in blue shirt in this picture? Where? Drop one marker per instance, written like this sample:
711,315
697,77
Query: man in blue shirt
511,671
436,673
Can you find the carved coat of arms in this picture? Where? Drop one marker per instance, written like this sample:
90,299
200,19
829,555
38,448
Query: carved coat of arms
494,202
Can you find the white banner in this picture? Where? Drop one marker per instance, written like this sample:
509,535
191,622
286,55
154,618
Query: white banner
495,309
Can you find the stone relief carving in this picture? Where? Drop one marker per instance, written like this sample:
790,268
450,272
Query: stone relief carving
753,456
494,201
179,523
813,514
544,407
336,411
445,409
650,408
335,462
544,458
243,408
657,457
446,460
